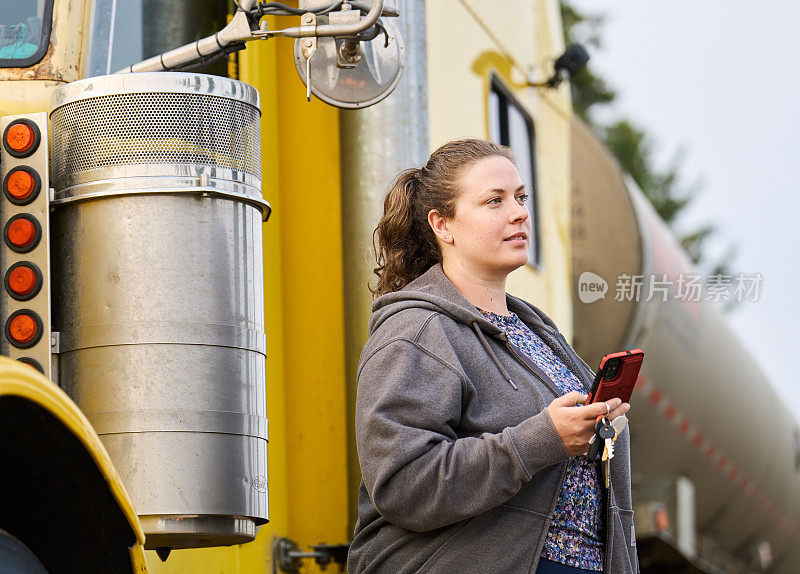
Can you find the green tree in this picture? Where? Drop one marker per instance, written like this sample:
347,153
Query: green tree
633,149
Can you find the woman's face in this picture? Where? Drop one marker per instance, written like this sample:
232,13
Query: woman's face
490,231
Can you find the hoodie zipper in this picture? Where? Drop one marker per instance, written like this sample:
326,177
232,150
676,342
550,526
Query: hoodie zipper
605,470
548,522
609,522
557,393
541,376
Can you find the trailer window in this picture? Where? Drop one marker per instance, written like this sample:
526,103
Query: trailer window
510,125
24,31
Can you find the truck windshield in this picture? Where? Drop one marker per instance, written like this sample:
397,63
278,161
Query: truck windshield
24,31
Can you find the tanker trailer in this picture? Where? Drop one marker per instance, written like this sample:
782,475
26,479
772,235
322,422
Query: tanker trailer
714,452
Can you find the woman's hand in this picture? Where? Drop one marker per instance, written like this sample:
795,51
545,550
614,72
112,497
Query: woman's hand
575,425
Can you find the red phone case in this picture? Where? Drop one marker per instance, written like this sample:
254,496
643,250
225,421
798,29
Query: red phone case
622,383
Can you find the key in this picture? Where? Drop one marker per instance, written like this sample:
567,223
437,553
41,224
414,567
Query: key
603,429
597,441
607,434
608,451
619,425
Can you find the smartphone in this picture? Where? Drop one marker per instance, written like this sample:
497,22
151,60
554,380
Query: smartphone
616,376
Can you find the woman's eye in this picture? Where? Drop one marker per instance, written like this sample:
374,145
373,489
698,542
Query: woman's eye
522,198
494,200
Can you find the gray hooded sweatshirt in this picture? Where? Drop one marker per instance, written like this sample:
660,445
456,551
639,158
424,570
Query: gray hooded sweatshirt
461,463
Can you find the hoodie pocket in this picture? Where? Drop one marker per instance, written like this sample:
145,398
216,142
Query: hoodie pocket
503,539
623,549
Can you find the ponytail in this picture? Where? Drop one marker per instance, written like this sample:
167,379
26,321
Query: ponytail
404,243
404,249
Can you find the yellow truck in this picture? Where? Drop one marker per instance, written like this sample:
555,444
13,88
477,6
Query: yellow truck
201,264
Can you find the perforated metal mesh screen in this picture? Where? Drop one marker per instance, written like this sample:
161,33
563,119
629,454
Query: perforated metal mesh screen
153,128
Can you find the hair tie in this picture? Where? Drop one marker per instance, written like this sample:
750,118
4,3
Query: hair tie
411,188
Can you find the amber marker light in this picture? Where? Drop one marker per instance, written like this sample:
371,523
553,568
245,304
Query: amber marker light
21,138
23,280
32,363
24,328
22,233
661,519
22,185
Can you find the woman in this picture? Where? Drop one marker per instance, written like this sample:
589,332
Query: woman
468,418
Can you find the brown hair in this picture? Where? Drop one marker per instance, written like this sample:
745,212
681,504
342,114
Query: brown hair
404,243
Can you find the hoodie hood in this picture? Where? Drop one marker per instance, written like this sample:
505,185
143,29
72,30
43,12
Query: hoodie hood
433,291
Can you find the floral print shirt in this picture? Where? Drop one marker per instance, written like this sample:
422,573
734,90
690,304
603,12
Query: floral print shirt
575,536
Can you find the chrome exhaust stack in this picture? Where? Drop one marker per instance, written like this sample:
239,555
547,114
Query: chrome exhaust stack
158,293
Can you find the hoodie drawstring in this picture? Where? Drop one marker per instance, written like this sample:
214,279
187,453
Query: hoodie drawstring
486,346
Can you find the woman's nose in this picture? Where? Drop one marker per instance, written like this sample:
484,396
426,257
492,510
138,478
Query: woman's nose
519,213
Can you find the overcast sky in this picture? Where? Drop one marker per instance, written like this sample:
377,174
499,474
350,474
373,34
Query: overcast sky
720,80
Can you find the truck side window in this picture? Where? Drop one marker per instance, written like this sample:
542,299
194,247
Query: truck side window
24,32
115,36
512,126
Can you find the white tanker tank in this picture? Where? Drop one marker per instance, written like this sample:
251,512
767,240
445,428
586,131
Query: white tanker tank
715,452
